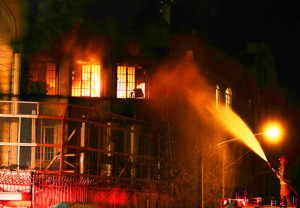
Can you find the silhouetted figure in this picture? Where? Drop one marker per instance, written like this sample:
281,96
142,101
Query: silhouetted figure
283,175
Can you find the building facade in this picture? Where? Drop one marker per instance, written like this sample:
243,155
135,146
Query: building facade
93,114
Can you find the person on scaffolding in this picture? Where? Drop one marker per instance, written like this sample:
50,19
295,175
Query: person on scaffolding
283,175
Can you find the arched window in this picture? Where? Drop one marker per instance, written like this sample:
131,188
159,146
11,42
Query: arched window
228,98
218,97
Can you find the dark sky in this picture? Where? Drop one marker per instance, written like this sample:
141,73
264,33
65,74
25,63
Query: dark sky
230,24
274,22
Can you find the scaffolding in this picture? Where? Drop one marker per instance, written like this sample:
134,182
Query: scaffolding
72,151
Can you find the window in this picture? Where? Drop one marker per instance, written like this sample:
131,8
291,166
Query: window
86,79
50,79
218,97
189,55
228,98
6,57
131,82
49,137
42,76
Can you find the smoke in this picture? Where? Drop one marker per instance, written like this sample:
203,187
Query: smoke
184,84
45,22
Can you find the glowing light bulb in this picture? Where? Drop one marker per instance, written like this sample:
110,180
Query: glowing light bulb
273,132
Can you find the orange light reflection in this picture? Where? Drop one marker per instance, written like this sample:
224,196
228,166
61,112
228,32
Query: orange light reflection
86,81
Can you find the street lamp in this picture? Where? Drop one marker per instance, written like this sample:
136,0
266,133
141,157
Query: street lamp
272,132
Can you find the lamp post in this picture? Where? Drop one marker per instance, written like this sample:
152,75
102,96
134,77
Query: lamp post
272,133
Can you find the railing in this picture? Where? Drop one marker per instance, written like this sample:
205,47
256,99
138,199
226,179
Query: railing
47,189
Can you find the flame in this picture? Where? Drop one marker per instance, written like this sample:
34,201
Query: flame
50,78
86,81
126,82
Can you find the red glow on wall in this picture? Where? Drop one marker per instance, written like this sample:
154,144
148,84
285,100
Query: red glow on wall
112,197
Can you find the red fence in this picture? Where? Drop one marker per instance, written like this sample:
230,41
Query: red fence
47,189
50,189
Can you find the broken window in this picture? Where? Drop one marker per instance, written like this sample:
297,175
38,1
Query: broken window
86,79
42,76
131,82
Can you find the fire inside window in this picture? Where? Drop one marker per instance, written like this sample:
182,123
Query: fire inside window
131,82
42,76
50,79
228,98
86,80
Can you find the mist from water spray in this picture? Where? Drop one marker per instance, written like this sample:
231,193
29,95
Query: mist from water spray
185,79
229,120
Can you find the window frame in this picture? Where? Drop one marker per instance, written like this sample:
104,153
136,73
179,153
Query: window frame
131,95
39,71
45,150
79,68
228,98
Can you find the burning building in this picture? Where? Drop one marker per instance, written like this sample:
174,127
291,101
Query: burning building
64,141
84,118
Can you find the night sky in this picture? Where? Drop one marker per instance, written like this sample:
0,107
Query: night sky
276,23
231,24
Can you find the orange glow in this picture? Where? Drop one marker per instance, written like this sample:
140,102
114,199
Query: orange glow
235,125
50,79
229,120
273,132
42,70
202,97
218,98
86,79
193,87
113,197
126,82
228,98
141,86
6,58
